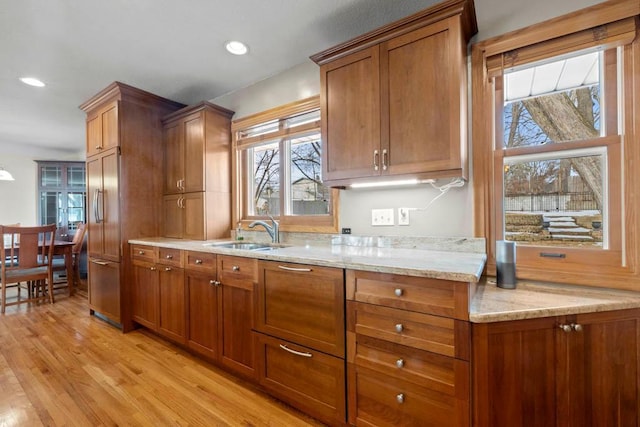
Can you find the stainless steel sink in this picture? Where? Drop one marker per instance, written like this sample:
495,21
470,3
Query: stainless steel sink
242,246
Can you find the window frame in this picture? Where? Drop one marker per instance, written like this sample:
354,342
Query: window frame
573,32
240,185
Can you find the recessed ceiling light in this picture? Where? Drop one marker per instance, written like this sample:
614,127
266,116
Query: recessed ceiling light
236,47
32,81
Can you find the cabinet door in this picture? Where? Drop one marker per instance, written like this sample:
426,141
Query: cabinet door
144,294
104,208
173,158
350,104
422,81
194,215
303,304
102,129
109,208
172,216
237,277
104,288
172,321
95,232
194,153
309,380
601,387
202,296
515,372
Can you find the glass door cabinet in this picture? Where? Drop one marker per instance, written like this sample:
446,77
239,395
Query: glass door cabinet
62,200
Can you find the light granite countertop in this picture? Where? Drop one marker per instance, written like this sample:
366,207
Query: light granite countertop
435,264
535,299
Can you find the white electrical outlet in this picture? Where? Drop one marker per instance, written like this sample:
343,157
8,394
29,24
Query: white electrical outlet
381,217
403,216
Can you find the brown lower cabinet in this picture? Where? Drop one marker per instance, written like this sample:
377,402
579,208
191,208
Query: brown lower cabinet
408,347
300,337
158,291
578,370
206,305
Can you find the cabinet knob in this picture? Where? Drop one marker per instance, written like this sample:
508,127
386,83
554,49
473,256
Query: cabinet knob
398,292
198,261
400,363
214,282
140,252
167,269
152,268
235,268
169,256
98,147
576,327
400,398
399,327
565,328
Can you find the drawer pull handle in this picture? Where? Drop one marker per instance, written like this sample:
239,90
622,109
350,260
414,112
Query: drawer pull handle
399,327
140,252
167,269
565,328
400,398
297,353
235,268
400,363
198,261
303,270
169,256
398,292
214,282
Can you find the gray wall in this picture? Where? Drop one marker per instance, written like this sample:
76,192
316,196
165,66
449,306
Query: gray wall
452,214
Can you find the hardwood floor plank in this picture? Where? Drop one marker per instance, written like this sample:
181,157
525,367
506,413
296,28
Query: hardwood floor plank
59,366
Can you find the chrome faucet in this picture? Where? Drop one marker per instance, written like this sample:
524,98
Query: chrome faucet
273,230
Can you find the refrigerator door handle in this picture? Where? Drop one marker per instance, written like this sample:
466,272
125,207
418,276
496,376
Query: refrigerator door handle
96,205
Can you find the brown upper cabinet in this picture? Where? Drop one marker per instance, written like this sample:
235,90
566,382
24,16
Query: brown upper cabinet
394,101
197,183
102,129
197,141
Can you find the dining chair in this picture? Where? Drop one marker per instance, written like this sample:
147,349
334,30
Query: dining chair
59,263
28,255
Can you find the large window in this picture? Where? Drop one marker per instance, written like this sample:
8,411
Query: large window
278,168
554,143
555,194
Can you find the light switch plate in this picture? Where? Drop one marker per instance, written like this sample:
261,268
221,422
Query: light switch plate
403,216
381,217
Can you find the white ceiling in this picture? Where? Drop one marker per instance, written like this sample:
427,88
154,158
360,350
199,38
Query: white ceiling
171,48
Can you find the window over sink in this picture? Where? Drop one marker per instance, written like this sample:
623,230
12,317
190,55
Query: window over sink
278,164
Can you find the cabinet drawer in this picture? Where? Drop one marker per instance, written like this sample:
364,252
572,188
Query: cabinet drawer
237,271
441,335
168,256
387,401
311,381
302,304
201,261
144,253
432,296
432,371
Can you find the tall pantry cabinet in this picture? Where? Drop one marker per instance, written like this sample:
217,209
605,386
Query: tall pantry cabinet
124,188
197,181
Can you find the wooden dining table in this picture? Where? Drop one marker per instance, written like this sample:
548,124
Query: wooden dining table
65,248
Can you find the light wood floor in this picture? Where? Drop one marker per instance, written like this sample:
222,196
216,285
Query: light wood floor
59,366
